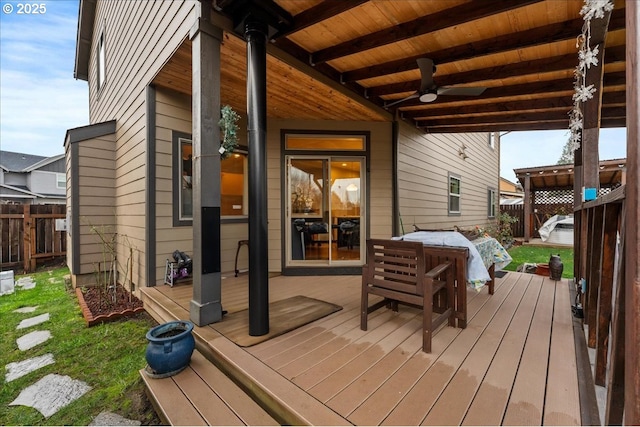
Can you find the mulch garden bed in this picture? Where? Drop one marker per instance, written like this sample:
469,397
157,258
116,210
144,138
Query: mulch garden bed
98,305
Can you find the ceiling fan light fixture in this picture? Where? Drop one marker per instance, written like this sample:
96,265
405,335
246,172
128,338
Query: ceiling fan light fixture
428,97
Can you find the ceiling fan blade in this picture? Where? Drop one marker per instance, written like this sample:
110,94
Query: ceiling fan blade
426,73
412,96
461,91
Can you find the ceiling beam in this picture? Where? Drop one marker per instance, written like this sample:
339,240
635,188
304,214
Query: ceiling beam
499,127
451,17
557,63
529,38
534,90
318,13
615,98
533,116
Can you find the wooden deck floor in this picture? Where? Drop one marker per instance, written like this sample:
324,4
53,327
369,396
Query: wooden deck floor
514,364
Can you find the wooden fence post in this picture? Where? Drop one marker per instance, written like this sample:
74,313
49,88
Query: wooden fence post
26,235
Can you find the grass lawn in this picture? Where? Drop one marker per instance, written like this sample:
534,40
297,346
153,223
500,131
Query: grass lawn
541,254
107,357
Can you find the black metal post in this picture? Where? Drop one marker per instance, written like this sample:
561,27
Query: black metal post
256,37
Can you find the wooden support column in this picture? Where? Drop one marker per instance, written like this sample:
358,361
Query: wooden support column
206,306
632,219
28,234
527,207
592,108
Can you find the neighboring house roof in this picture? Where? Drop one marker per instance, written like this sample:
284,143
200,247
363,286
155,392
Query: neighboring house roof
19,162
514,201
15,191
512,185
21,191
44,162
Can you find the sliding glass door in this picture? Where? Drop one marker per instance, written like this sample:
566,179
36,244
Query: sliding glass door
324,213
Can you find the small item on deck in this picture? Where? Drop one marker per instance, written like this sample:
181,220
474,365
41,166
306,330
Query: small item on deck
576,309
179,268
241,243
542,269
555,267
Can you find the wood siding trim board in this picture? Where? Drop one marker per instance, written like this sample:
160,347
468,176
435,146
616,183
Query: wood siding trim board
75,208
150,193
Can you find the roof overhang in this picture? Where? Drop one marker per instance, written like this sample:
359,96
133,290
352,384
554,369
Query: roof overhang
86,18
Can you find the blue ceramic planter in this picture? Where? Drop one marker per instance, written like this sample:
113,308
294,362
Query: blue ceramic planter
170,347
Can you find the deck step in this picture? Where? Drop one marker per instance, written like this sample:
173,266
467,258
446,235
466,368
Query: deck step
283,400
203,395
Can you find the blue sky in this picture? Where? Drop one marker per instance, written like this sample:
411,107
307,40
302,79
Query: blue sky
543,148
40,99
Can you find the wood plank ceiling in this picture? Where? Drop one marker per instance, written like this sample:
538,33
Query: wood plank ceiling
347,60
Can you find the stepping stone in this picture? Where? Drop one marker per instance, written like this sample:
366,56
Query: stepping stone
25,283
111,419
26,310
51,393
17,370
32,321
32,339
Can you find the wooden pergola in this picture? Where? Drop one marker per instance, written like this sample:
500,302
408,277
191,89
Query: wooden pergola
558,180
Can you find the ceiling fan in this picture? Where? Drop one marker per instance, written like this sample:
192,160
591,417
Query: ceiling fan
429,91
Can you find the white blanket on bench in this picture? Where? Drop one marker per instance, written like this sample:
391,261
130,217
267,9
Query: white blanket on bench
477,274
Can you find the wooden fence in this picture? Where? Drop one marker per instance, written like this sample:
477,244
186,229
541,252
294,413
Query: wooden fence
517,211
29,233
540,215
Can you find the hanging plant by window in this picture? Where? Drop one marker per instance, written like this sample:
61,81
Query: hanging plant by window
229,129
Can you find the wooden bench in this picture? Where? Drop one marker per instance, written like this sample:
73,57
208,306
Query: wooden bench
397,271
203,395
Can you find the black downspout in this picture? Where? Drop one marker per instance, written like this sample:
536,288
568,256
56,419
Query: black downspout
396,223
256,37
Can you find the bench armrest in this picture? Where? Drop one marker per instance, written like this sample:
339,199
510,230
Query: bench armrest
438,270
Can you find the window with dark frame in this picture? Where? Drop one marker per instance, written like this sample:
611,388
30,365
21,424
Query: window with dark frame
454,194
233,182
101,61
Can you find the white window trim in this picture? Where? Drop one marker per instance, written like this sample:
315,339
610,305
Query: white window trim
450,194
492,140
61,178
491,203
